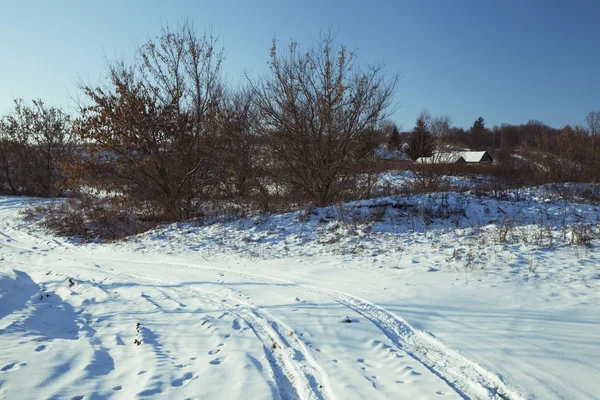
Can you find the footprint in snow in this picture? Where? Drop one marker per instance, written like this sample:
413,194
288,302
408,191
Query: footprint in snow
117,388
8,367
182,381
236,325
41,348
80,397
213,352
372,380
216,361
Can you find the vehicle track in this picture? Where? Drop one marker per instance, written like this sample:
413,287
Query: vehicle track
464,377
296,374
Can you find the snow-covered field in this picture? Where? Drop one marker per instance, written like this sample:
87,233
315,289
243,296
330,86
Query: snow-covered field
423,297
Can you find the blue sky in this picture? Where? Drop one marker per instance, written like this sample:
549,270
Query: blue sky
507,61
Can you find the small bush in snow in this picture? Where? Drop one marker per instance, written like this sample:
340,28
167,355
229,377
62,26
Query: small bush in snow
582,235
91,219
505,229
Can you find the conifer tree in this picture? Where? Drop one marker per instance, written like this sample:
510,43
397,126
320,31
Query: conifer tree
420,143
394,140
478,131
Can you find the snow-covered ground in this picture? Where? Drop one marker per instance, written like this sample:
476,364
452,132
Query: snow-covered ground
435,296
397,181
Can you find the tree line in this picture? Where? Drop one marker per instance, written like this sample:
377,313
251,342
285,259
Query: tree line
164,134
526,154
165,138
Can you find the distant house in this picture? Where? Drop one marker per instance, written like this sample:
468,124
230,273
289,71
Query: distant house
476,157
457,157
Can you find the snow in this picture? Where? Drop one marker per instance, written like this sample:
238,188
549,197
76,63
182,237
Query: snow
433,296
450,157
391,154
472,156
398,181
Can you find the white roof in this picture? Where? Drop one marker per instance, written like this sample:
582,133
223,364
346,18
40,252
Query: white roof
450,157
439,158
472,156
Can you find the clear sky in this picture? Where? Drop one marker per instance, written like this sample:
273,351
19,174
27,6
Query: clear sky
508,61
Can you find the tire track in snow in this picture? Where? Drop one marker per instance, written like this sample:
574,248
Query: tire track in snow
465,377
290,362
296,374
310,373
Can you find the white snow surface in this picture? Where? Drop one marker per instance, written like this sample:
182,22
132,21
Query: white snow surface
363,301
450,157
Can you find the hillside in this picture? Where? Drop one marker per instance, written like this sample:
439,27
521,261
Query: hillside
429,296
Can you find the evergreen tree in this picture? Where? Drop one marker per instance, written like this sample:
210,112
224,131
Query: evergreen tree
478,125
394,140
420,143
478,131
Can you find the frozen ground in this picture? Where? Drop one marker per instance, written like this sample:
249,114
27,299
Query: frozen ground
401,298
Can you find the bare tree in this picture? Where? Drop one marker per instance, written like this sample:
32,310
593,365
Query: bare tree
9,179
593,122
566,157
238,149
425,116
441,125
35,141
317,111
150,129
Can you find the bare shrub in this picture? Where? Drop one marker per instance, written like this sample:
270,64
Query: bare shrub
506,230
582,235
91,219
428,176
570,156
